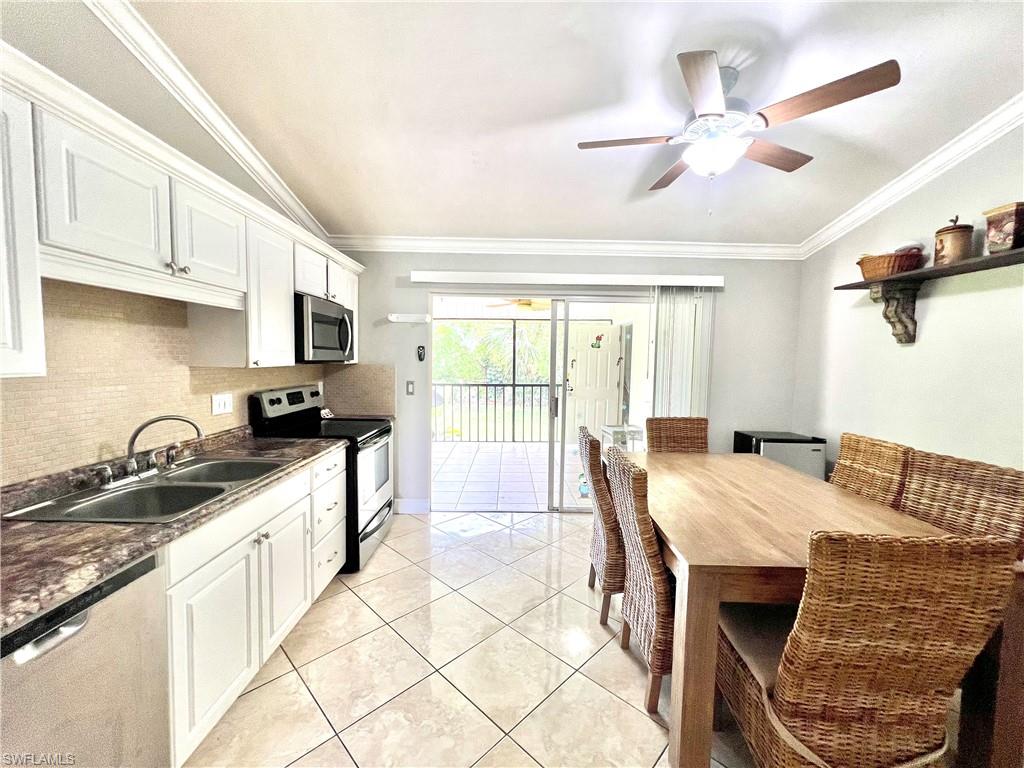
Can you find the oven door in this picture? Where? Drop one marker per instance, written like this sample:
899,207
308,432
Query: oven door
323,331
375,482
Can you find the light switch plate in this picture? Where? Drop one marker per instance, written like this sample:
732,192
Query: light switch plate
222,402
410,387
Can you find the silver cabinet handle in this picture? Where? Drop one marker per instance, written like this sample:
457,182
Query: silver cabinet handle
319,521
327,295
186,270
331,468
256,362
334,554
261,537
173,267
331,507
53,638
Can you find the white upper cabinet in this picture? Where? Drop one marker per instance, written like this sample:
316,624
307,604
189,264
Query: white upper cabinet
99,200
342,285
209,239
310,272
269,302
22,351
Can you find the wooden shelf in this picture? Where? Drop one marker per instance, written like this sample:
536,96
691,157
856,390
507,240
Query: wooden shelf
898,293
1004,259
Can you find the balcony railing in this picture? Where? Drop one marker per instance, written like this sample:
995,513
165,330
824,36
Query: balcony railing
490,413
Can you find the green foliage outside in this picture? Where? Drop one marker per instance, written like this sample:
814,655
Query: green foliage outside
480,351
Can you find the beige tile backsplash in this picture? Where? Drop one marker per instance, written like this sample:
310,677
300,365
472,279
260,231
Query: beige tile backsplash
361,390
114,359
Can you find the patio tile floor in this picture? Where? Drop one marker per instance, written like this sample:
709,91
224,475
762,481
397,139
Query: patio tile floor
499,477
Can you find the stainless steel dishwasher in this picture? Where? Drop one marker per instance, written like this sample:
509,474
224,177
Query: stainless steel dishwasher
86,684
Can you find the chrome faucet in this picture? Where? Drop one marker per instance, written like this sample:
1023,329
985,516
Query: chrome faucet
133,465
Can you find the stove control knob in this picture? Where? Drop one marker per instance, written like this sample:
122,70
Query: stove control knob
315,393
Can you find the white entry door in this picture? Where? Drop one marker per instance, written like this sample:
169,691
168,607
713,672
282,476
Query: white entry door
594,377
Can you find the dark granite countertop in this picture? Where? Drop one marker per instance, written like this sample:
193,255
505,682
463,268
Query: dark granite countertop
43,565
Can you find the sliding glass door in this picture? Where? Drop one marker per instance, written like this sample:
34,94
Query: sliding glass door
600,379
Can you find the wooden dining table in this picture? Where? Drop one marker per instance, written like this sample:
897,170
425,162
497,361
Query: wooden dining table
735,528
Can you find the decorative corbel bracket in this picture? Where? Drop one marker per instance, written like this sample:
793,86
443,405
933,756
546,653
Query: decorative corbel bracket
900,300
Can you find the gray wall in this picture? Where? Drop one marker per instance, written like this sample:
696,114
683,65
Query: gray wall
959,389
752,359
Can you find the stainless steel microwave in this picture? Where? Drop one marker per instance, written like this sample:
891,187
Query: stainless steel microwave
323,331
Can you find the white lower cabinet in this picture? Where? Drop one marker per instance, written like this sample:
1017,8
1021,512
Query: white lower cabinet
237,587
284,575
215,638
328,557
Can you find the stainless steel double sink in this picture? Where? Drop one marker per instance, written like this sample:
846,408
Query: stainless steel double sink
158,498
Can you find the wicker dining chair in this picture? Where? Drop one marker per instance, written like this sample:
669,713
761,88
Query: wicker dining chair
886,629
874,469
968,498
679,434
647,599
607,557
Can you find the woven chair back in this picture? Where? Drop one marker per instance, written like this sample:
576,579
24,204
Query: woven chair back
874,469
886,629
647,600
678,434
968,498
606,551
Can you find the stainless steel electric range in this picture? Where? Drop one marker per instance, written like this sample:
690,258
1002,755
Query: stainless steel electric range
369,459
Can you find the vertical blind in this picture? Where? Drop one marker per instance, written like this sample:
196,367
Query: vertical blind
682,350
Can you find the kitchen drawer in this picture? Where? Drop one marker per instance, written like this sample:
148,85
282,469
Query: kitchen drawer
198,547
328,557
328,505
327,467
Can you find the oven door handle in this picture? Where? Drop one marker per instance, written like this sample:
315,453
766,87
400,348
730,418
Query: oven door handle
378,441
384,518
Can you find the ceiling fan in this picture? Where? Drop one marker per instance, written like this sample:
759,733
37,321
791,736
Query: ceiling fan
714,134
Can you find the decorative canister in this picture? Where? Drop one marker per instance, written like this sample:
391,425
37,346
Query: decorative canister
953,243
1005,227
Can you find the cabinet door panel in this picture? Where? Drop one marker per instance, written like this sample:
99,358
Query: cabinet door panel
214,642
284,574
209,239
22,351
269,302
100,200
336,283
310,272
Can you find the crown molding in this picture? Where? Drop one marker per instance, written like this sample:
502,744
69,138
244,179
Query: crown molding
495,246
991,127
47,90
142,41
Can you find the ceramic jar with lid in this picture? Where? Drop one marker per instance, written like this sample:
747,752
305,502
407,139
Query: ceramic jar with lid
953,243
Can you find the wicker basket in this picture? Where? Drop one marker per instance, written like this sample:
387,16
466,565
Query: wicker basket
883,265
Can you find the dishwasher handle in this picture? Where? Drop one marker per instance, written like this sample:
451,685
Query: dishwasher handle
45,643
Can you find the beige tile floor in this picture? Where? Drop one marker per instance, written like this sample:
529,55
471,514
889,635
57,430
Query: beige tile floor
468,640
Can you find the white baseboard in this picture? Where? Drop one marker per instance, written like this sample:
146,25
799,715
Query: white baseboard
412,506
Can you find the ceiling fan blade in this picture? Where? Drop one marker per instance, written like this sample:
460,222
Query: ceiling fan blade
777,156
624,142
867,81
703,81
669,176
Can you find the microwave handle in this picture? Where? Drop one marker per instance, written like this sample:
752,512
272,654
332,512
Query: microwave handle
348,322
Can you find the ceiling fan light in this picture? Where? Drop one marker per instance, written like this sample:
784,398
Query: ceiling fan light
712,156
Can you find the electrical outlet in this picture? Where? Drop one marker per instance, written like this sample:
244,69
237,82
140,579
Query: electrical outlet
410,387
223,402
